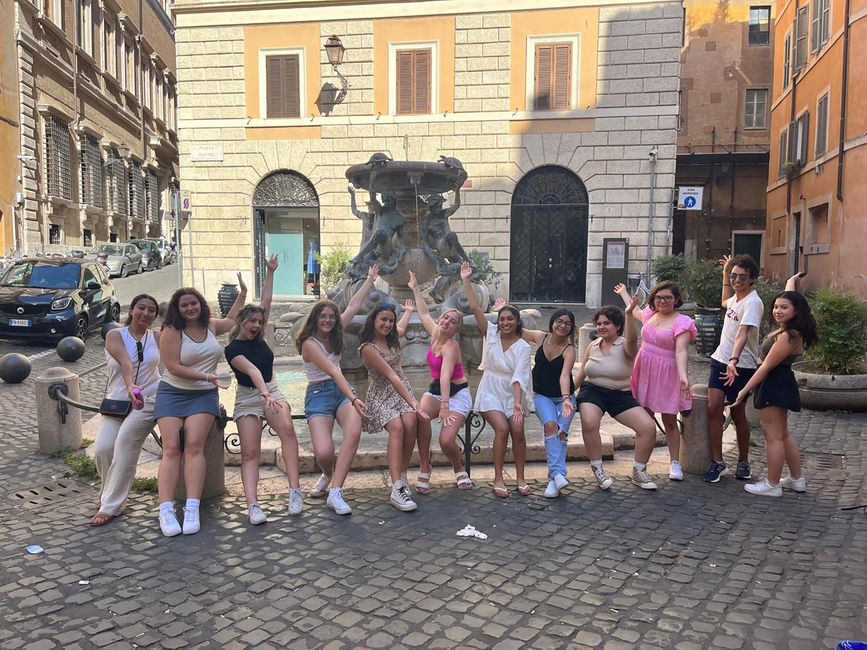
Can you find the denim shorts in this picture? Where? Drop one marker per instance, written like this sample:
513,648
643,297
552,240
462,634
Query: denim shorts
323,399
550,409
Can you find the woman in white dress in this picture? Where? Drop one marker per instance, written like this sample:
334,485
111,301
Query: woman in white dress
505,393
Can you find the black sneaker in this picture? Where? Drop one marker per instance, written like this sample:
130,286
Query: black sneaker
714,471
743,473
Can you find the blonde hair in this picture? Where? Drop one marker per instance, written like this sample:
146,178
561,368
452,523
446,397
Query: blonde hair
243,316
460,317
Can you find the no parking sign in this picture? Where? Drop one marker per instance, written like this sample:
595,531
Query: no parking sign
689,197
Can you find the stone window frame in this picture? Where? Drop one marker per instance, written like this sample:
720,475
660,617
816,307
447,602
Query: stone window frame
263,54
787,59
87,14
401,46
822,130
53,10
814,224
757,124
759,34
820,24
57,145
91,169
574,39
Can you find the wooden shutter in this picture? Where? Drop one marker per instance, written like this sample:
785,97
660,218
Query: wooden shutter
553,82
283,90
413,82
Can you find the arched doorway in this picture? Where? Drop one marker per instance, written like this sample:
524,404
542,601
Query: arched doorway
286,224
548,260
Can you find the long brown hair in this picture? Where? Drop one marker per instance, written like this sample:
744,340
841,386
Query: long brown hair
309,326
368,331
246,313
173,316
135,301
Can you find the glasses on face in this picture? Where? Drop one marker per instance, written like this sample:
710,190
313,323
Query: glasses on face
327,317
743,277
563,322
664,298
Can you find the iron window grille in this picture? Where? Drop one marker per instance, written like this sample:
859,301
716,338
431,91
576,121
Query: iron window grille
91,172
58,158
116,186
152,196
137,206
54,234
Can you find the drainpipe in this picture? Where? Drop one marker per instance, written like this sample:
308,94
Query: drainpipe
653,155
795,78
843,104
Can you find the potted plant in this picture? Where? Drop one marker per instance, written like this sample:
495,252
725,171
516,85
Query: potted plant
670,267
703,283
791,169
834,376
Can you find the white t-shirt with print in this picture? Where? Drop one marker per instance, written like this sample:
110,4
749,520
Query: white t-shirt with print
748,311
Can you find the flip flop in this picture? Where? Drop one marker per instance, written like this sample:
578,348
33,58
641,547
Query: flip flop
101,519
500,492
525,490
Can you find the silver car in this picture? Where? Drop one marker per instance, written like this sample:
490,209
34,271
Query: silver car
119,259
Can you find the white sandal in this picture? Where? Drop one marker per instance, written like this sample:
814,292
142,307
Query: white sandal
464,481
422,483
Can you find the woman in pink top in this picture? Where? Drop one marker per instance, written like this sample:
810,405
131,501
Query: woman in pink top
659,379
448,397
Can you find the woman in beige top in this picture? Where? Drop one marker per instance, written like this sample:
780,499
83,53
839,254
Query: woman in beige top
604,387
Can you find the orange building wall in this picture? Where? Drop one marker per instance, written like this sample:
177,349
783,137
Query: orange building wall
9,133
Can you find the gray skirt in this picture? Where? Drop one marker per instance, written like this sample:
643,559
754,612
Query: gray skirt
174,402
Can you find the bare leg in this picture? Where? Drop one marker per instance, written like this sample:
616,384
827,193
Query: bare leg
394,448
409,434
350,421
196,429
591,416
742,428
250,434
793,454
519,449
672,435
281,423
774,427
639,421
431,406
715,403
500,425
170,465
323,443
449,446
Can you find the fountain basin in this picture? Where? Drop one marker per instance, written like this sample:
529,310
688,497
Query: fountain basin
422,177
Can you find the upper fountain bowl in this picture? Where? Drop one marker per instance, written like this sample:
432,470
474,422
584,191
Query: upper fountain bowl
420,177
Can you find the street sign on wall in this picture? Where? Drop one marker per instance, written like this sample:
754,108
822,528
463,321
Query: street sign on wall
689,197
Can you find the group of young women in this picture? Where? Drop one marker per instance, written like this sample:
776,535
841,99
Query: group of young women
615,377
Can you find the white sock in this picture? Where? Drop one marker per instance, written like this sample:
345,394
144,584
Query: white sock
166,506
192,504
596,463
640,466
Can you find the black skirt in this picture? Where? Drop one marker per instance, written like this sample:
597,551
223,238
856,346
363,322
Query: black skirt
778,389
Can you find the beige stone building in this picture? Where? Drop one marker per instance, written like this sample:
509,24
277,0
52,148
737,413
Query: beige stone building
97,159
564,118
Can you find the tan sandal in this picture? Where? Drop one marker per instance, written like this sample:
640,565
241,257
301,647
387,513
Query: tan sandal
101,519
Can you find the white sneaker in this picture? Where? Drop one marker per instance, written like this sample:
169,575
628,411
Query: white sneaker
401,500
675,472
794,484
256,515
296,503
336,502
641,479
320,488
602,478
191,521
560,481
169,523
764,488
551,491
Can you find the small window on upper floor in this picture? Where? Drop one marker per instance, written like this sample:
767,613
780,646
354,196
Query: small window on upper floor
760,25
756,108
822,125
787,60
552,64
281,91
821,24
414,82
54,10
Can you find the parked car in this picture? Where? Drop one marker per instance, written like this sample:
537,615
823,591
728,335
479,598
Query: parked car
55,297
150,253
166,252
119,259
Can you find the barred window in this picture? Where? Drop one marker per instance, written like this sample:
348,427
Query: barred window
91,172
137,207
116,186
152,196
54,234
57,156
87,237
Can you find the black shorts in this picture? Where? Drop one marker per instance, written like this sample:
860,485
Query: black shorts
731,392
613,402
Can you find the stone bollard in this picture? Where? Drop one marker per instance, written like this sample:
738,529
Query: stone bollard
55,434
695,443
584,340
215,467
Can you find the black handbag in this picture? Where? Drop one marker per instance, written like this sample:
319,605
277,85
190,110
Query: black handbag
120,408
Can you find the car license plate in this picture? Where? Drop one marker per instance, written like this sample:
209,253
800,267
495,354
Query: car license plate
19,322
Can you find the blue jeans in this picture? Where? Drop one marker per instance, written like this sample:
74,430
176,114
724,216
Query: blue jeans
550,409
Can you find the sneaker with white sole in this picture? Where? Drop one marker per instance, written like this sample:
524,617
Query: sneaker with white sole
794,484
764,488
551,490
602,478
169,523
400,498
337,503
296,502
191,521
675,472
560,481
320,488
641,479
256,515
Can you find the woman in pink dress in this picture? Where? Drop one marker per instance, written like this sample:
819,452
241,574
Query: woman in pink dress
660,381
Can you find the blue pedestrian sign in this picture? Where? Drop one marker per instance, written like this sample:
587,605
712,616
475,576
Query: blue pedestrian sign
689,198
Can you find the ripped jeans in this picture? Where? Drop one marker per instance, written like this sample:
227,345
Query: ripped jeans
550,409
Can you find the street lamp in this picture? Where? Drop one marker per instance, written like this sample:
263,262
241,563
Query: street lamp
335,51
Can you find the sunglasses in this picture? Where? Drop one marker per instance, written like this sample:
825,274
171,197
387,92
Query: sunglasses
743,277
139,351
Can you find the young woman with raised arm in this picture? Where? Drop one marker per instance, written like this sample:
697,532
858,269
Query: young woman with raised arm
505,393
329,395
448,397
390,401
187,397
258,398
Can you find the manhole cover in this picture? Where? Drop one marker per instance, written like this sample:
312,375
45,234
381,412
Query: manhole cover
46,495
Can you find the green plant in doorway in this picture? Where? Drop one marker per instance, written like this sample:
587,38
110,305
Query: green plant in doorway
332,266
